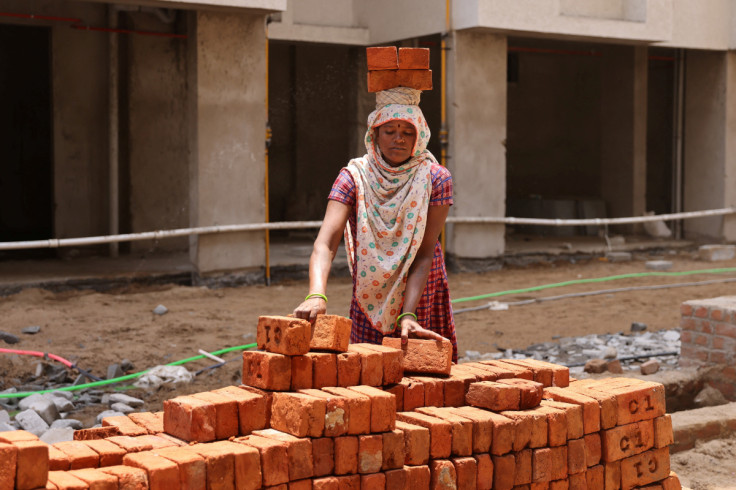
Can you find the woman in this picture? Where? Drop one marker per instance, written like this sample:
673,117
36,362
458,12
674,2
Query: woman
394,201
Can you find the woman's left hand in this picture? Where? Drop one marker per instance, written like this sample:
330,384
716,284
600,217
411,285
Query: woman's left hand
410,327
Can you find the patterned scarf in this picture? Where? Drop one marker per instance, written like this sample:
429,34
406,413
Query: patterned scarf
392,204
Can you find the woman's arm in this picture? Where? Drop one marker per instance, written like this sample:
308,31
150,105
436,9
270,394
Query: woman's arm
419,271
325,249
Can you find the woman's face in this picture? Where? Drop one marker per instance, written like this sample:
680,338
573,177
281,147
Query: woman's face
396,141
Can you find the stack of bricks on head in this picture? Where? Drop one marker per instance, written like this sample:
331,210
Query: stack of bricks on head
315,412
387,68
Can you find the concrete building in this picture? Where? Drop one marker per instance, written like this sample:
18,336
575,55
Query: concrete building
141,115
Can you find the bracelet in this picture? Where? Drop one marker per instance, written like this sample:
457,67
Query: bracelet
404,314
316,295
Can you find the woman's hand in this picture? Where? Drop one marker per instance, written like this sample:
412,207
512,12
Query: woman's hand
310,308
410,327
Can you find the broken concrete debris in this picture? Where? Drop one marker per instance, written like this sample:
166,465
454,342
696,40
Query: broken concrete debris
160,310
715,253
8,338
32,330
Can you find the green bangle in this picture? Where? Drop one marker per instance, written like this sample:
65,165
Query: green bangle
317,295
404,314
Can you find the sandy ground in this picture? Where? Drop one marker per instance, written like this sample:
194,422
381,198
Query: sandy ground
97,329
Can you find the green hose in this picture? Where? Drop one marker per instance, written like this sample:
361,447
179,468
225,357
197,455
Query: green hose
123,378
593,280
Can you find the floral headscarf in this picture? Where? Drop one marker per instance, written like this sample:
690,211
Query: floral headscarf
392,204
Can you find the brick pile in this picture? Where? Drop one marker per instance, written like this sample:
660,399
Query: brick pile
389,68
316,413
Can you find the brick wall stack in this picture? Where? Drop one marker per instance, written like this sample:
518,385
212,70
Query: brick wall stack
395,418
708,337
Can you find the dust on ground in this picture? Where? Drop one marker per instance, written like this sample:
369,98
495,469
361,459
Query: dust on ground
708,466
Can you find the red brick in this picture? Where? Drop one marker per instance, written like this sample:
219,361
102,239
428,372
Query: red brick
486,372
226,413
493,396
359,406
701,312
462,429
374,480
58,460
397,390
125,425
443,475
324,456
253,408
337,412
687,324
542,372
229,463
424,356
556,424
706,327
413,394
80,455
346,455
639,400
393,450
370,453
627,440
573,414
32,463
531,429
348,369
416,79
663,435
577,481
590,406
504,471
606,401
96,479
672,482
720,357
414,58
298,414
301,372
417,477
62,479
331,332
576,462
96,433
324,369
192,466
325,483
686,309
371,365
348,482
392,361
530,391
300,485
594,477
162,473
9,458
484,479
454,391
440,432
542,465
128,476
725,330
110,454
152,422
383,408
382,58
396,478
434,395
274,459
482,427
523,469
507,370
471,374
283,335
190,419
716,314
267,370
645,468
686,336
300,452
701,340
612,475
559,484
416,443
593,450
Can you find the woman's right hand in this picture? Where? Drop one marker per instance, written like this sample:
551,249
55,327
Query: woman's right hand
310,308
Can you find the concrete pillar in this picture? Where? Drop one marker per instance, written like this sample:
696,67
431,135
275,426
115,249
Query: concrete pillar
476,110
624,131
226,89
710,142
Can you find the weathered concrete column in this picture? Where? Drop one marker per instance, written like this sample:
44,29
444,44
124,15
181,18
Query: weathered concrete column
710,142
226,69
476,110
624,130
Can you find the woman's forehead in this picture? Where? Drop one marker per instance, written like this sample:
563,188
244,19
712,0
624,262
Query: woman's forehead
397,124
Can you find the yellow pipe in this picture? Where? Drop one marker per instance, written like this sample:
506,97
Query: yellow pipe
265,180
443,104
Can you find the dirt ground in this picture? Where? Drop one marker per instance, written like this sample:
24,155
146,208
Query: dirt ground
96,329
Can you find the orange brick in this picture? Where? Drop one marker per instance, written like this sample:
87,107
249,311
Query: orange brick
454,391
576,462
17,436
125,425
130,444
416,443
96,433
507,370
9,457
301,372
331,332
627,440
573,414
414,58
226,413
246,467
397,390
110,454
348,482
556,424
371,365
645,468
175,441
348,369
640,400
462,429
530,391
559,462
542,465
192,466
383,408
190,419
467,376
128,476
325,483
612,475
156,441
672,482
482,427
531,429
591,409
152,422
443,474
283,335
359,406
324,456
324,369
424,356
559,484
484,372
32,463
346,455
413,394
300,452
417,477
162,473
396,478
493,396
382,58
606,401
484,479
440,432
577,481
392,361
370,453
96,479
58,460
274,460
434,395
593,450
504,430
64,480
663,435
594,477
298,414
300,485
80,455
416,79
253,408
337,412
374,480
504,471
523,469
267,370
